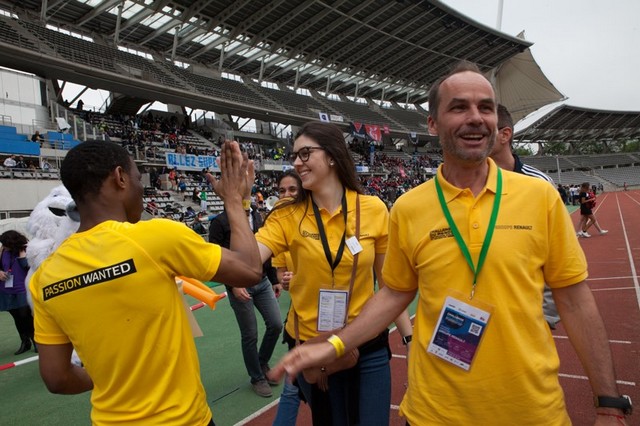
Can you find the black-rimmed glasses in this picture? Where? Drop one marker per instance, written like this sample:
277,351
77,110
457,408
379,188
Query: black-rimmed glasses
303,153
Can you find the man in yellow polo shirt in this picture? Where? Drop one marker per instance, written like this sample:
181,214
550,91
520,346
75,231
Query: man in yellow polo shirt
479,257
109,292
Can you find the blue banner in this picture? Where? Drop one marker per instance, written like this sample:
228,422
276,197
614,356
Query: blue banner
192,162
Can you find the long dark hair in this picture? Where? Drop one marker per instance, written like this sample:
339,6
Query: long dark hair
13,241
330,138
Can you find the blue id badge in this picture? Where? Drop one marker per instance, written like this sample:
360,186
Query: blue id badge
459,331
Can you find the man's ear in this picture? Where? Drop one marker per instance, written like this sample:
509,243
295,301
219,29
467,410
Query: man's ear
433,126
120,177
508,134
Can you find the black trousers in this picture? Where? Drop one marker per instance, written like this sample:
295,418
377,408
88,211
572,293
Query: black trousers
24,321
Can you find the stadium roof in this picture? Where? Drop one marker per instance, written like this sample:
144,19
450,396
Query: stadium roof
567,123
391,50
522,86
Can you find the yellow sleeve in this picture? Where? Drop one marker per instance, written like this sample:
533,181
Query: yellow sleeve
47,330
398,270
273,234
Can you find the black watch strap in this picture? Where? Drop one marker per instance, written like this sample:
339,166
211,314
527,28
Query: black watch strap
622,402
407,339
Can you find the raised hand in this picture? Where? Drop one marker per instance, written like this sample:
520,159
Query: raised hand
235,167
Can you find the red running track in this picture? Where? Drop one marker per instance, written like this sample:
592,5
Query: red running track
614,262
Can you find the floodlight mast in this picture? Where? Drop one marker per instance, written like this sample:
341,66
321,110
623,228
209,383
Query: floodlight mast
499,17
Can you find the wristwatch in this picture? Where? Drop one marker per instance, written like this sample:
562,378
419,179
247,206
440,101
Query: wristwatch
407,339
622,402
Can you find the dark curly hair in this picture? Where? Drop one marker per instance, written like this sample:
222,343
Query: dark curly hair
13,241
87,165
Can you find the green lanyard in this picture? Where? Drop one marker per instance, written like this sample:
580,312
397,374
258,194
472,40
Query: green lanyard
487,237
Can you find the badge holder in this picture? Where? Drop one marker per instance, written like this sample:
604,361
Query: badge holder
460,329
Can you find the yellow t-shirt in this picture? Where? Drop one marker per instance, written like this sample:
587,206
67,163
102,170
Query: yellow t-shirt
514,376
294,229
111,292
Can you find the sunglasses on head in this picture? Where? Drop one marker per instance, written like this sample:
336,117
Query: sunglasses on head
303,153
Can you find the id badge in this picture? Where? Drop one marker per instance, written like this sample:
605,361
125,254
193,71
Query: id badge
354,245
332,305
8,283
459,330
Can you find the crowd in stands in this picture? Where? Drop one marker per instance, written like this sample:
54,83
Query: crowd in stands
17,162
392,173
149,134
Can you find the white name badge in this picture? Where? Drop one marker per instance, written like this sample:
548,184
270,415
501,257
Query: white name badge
354,245
332,305
458,332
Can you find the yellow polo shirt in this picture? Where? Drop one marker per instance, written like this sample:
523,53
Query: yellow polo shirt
294,229
283,260
514,376
111,292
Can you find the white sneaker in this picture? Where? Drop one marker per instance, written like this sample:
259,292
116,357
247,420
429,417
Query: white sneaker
586,235
579,234
604,231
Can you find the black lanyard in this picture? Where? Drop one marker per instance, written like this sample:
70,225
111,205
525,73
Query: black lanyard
487,238
323,235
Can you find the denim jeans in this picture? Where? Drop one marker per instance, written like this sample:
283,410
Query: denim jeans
288,406
375,391
264,300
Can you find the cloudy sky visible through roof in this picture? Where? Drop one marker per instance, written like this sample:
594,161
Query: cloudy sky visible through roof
587,48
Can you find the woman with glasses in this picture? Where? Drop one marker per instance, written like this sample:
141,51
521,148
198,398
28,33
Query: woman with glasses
318,228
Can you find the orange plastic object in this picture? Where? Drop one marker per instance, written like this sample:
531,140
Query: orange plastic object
197,289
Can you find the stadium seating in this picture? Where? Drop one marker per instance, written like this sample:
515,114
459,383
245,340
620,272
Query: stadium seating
9,35
224,88
353,111
618,176
72,48
412,120
61,140
13,143
293,102
602,160
547,163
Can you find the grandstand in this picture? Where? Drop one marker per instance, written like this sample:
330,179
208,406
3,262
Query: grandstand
277,65
613,170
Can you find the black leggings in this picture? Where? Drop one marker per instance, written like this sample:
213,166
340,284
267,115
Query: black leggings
24,321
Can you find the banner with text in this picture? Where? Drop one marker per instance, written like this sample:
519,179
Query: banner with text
192,162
